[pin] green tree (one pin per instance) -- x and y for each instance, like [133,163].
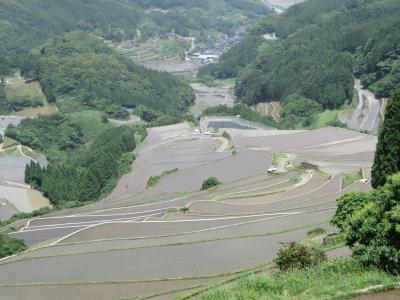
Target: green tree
[370,222]
[2,90]
[34,175]
[210,182]
[347,205]
[299,110]
[9,245]
[387,157]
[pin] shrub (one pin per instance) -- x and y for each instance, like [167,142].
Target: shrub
[20,216]
[10,246]
[209,183]
[296,256]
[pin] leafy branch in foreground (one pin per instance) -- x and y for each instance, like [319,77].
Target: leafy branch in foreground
[370,223]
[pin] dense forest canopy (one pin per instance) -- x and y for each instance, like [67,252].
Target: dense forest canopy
[85,177]
[25,24]
[79,67]
[320,44]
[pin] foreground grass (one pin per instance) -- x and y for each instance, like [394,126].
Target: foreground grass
[334,279]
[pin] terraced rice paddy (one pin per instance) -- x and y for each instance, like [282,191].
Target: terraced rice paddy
[211,96]
[15,196]
[156,243]
[163,55]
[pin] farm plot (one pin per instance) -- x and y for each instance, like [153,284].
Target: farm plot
[335,150]
[108,290]
[212,258]
[138,235]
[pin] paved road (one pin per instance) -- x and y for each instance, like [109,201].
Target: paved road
[367,115]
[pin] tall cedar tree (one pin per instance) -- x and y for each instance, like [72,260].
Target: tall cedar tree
[2,90]
[387,157]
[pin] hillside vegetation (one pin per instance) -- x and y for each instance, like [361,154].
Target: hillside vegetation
[320,44]
[86,154]
[78,67]
[90,173]
[331,280]
[27,24]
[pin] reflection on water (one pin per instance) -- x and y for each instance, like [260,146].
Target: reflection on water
[12,165]
[15,196]
[6,210]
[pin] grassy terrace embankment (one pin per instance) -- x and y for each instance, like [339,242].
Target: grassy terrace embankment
[337,279]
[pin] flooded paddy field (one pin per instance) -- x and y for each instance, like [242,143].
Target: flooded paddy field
[140,233]
[101,291]
[15,195]
[211,96]
[185,68]
[7,120]
[212,258]
[222,123]
[334,149]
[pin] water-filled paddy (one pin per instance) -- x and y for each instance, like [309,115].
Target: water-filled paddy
[227,124]
[15,196]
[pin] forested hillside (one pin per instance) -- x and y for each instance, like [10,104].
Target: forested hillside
[320,44]
[25,24]
[78,68]
[85,177]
